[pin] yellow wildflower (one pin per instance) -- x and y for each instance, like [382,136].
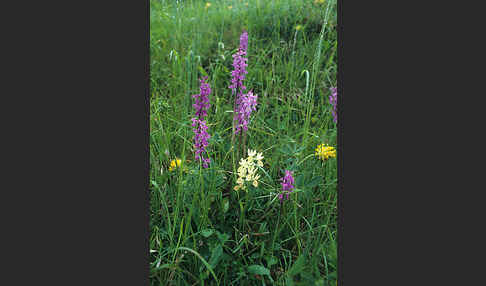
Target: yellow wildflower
[174,164]
[208,5]
[325,152]
[230,7]
[298,27]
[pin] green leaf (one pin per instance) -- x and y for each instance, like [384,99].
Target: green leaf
[207,232]
[314,182]
[222,237]
[299,180]
[271,261]
[216,255]
[202,260]
[297,190]
[154,183]
[154,270]
[258,269]
[297,267]
[332,275]
[202,71]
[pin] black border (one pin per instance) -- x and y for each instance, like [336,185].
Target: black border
[147,142]
[82,133]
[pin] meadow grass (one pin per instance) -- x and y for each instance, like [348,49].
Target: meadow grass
[202,232]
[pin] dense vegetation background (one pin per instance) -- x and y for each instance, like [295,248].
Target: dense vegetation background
[202,231]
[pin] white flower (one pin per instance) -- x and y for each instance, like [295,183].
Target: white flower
[244,163]
[241,171]
[251,173]
[259,156]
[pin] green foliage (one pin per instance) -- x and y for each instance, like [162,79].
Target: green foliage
[202,231]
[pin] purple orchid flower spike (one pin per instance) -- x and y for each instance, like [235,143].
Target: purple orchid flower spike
[244,109]
[201,135]
[287,185]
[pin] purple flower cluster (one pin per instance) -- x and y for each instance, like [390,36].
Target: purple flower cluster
[201,138]
[333,101]
[201,135]
[240,64]
[246,105]
[202,99]
[287,185]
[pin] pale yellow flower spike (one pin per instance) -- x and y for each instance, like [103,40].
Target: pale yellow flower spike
[247,171]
